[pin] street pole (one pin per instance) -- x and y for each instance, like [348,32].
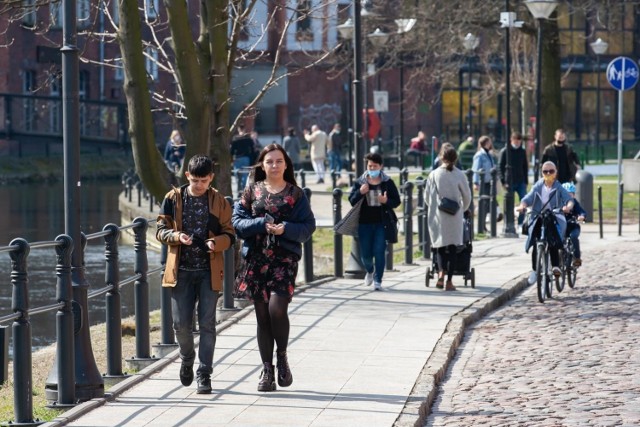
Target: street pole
[89,382]
[597,106]
[509,229]
[470,115]
[536,149]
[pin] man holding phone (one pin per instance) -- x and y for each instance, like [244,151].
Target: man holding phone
[195,224]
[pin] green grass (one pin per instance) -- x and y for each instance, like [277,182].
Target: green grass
[610,203]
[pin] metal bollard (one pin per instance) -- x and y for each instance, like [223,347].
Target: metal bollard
[302,178]
[113,302]
[338,267]
[334,178]
[130,189]
[469,174]
[21,331]
[166,317]
[481,204]
[308,249]
[139,191]
[420,184]
[600,210]
[141,289]
[493,202]
[404,177]
[620,205]
[408,223]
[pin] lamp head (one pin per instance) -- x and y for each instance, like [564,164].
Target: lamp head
[541,9]
[470,42]
[599,46]
[346,29]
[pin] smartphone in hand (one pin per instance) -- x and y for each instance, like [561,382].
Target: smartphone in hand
[269,219]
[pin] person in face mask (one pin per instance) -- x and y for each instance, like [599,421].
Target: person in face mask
[562,155]
[484,161]
[519,168]
[547,193]
[380,196]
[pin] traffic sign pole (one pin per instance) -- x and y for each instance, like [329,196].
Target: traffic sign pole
[622,74]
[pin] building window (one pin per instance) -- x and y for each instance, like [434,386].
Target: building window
[152,7]
[29,10]
[83,10]
[55,14]
[151,63]
[28,104]
[303,21]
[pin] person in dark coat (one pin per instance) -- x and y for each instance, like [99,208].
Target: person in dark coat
[519,168]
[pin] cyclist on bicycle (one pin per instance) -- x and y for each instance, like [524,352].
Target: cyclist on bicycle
[547,193]
[574,217]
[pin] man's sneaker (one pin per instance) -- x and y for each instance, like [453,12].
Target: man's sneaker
[204,384]
[186,374]
[368,279]
[532,278]
[556,271]
[577,262]
[377,286]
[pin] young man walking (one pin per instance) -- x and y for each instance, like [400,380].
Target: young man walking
[195,224]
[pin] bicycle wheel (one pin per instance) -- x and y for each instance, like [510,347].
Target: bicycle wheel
[549,277]
[572,271]
[541,272]
[560,280]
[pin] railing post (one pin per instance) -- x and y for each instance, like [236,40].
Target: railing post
[113,304]
[229,273]
[308,249]
[481,204]
[21,330]
[600,210]
[338,267]
[65,352]
[130,189]
[469,174]
[302,178]
[404,177]
[141,289]
[166,318]
[493,201]
[420,184]
[334,178]
[139,191]
[408,222]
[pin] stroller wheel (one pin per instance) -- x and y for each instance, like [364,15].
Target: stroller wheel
[427,277]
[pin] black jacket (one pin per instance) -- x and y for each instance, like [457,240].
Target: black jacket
[519,165]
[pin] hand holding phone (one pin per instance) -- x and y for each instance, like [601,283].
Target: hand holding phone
[269,219]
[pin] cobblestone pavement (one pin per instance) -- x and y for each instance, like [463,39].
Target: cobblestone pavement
[572,361]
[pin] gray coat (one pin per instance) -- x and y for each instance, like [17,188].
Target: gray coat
[446,229]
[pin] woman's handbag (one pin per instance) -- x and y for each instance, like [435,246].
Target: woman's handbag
[348,225]
[446,204]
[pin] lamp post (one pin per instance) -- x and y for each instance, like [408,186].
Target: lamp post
[470,42]
[599,47]
[404,26]
[541,10]
[508,20]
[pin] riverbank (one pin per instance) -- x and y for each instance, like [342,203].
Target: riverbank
[51,169]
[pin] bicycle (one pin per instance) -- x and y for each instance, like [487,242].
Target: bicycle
[569,270]
[544,245]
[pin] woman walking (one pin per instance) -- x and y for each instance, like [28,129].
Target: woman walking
[445,228]
[274,218]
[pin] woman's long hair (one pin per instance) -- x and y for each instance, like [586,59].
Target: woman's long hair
[258,174]
[448,155]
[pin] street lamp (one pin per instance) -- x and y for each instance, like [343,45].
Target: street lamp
[470,43]
[508,20]
[599,47]
[541,10]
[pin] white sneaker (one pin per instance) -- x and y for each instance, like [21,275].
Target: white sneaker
[377,286]
[368,279]
[532,278]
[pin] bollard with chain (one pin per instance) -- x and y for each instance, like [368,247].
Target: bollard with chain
[229,273]
[469,174]
[302,178]
[420,184]
[64,324]
[481,203]
[141,289]
[338,267]
[493,201]
[113,302]
[408,223]
[308,249]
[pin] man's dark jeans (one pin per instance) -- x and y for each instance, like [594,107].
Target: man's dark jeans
[192,287]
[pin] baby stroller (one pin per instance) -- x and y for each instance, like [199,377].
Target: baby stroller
[462,265]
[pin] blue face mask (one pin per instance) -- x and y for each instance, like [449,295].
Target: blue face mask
[374,173]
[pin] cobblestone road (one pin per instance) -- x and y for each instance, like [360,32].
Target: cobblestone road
[573,361]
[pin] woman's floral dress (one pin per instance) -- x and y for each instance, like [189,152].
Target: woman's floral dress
[267,267]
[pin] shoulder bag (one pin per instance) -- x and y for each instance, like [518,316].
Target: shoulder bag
[446,204]
[348,225]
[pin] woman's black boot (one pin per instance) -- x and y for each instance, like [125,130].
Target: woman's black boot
[285,377]
[267,378]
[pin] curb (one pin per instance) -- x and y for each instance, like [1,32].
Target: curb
[425,390]
[118,389]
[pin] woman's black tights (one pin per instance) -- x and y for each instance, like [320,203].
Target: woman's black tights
[273,325]
[446,260]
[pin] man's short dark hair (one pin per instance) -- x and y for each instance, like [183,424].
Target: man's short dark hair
[373,157]
[200,166]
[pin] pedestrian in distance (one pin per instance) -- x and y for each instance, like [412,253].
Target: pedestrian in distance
[317,140]
[195,223]
[562,155]
[519,168]
[242,151]
[547,193]
[291,145]
[380,196]
[174,151]
[274,218]
[466,150]
[446,230]
[484,161]
[334,148]
[574,217]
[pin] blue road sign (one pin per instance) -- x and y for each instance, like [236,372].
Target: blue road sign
[623,73]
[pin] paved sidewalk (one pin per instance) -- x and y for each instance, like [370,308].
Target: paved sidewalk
[359,357]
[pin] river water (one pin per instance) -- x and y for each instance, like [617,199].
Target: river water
[35,212]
